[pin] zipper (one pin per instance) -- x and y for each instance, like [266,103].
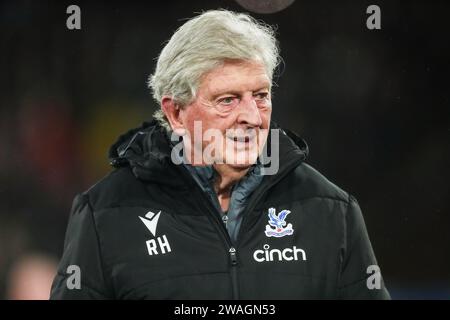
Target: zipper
[229,245]
[225,220]
[234,275]
[232,252]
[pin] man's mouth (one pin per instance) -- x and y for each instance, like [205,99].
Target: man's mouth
[242,139]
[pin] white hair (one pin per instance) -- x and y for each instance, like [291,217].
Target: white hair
[203,43]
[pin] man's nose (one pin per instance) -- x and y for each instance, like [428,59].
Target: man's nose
[249,112]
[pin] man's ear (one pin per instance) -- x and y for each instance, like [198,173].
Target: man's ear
[173,114]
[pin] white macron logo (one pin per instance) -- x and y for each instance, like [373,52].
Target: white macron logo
[150,221]
[160,244]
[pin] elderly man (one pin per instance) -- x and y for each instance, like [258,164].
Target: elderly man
[211,200]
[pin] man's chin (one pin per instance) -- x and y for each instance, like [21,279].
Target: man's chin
[239,166]
[244,163]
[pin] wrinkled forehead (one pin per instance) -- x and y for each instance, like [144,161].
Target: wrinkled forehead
[235,76]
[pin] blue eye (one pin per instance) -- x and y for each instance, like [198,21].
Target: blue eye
[226,100]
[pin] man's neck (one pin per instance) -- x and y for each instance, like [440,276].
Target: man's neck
[227,177]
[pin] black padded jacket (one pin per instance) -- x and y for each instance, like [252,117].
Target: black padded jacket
[147,231]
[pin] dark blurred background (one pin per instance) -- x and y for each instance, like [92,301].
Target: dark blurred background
[373,106]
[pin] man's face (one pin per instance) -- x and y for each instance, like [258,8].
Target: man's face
[233,100]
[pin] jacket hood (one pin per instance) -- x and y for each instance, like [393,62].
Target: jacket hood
[147,150]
